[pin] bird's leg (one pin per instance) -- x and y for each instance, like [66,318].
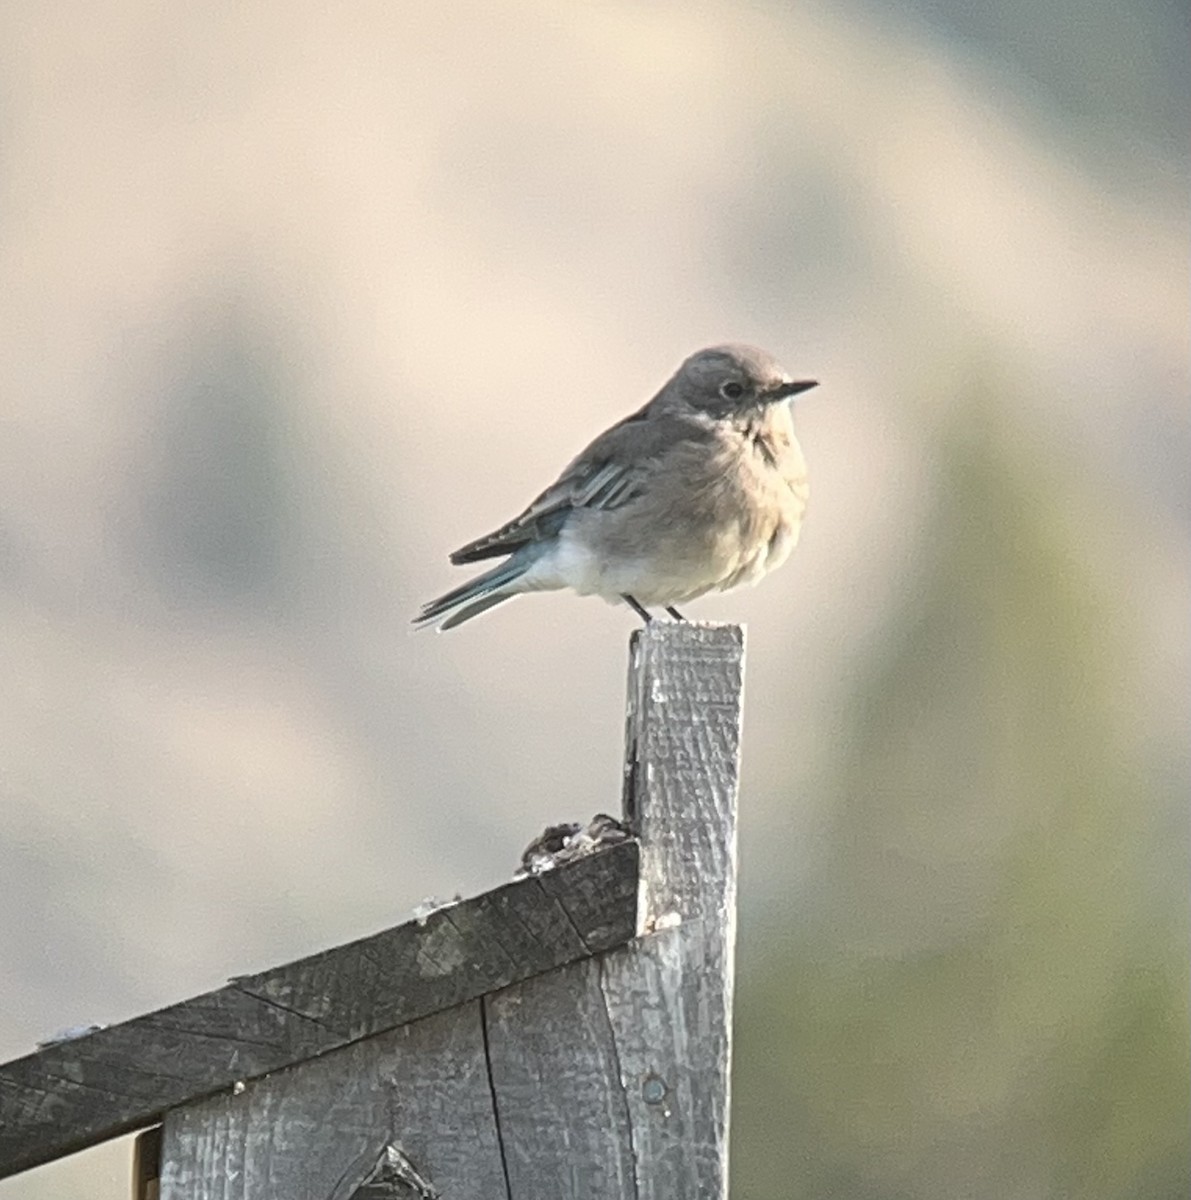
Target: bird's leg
[642,612]
[673,612]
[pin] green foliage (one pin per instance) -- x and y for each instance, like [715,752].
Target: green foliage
[989,996]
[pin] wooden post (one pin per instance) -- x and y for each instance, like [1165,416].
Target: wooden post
[563,1037]
[611,1077]
[603,1079]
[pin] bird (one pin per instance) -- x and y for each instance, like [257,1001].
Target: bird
[700,490]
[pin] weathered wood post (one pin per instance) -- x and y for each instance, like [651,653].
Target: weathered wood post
[564,1037]
[671,992]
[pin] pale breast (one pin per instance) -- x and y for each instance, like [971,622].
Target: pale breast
[712,515]
[774,487]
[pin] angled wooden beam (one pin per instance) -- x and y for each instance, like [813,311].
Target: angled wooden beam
[75,1093]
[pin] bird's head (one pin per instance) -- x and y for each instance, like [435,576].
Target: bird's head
[724,381]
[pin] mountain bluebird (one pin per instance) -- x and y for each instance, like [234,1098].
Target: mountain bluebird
[699,491]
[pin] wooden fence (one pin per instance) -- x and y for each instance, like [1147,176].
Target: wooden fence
[566,1035]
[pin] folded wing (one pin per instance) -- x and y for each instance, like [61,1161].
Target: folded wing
[606,475]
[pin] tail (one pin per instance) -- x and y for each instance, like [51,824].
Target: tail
[473,597]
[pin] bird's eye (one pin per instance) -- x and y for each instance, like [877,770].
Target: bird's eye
[732,390]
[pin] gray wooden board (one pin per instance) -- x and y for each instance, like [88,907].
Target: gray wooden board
[669,995]
[669,1004]
[73,1094]
[564,1120]
[418,1095]
[682,766]
[611,1076]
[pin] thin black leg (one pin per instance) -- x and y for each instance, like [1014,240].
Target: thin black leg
[643,613]
[674,613]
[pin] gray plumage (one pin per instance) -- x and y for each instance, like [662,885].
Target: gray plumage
[700,490]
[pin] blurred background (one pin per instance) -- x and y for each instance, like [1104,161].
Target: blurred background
[298,297]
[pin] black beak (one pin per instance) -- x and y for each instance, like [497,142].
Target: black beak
[792,387]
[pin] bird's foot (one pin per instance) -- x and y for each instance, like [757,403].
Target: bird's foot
[639,609]
[673,612]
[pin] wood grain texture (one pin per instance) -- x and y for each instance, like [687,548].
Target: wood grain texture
[611,1076]
[407,1114]
[682,766]
[73,1094]
[669,994]
[556,1082]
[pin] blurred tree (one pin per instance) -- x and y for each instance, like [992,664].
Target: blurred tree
[988,997]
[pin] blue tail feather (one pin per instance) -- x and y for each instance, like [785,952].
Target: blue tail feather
[473,597]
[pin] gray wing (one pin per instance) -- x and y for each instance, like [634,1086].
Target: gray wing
[606,475]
